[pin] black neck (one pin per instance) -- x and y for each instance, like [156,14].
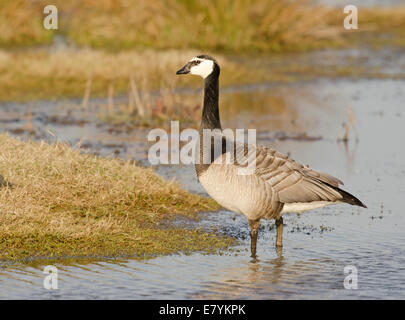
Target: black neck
[210,114]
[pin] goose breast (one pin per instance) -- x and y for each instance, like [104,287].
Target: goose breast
[246,194]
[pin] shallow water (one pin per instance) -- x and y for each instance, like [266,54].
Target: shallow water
[317,245]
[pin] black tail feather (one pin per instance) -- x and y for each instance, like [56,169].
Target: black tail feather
[350,199]
[347,197]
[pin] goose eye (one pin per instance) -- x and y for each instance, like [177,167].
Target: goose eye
[194,63]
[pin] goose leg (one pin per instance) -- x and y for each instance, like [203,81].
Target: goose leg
[279,237]
[254,230]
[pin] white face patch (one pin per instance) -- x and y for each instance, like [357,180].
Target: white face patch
[203,69]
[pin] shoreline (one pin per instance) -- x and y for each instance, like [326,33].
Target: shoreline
[60,202]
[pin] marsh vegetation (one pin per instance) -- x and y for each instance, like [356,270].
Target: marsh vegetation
[57,202]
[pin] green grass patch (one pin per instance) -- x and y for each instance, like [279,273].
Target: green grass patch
[56,202]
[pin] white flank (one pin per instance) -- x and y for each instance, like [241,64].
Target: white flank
[299,207]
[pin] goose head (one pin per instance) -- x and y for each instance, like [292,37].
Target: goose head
[201,65]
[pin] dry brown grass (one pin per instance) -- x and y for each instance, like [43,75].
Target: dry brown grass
[212,25]
[56,202]
[21,23]
[47,75]
[231,25]
[382,19]
[41,74]
[147,78]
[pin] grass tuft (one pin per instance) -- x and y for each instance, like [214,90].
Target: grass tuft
[55,201]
